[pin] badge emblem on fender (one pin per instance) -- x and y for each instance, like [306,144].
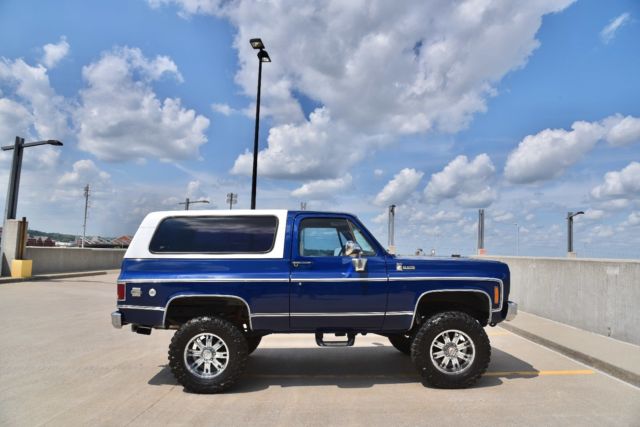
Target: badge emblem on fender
[400,267]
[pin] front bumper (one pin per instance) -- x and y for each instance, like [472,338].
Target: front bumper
[512,311]
[116,319]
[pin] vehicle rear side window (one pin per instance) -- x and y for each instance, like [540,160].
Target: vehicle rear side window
[215,235]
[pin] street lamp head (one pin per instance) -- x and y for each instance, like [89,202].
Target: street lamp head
[263,56]
[256,43]
[579,213]
[55,142]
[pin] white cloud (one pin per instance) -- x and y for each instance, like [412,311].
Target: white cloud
[547,154]
[378,172]
[84,172]
[622,130]
[594,214]
[609,31]
[623,184]
[468,183]
[399,188]
[15,120]
[502,216]
[633,219]
[54,52]
[323,188]
[121,118]
[49,111]
[309,150]
[378,68]
[601,231]
[223,109]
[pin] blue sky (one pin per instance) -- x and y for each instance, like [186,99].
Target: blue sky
[364,105]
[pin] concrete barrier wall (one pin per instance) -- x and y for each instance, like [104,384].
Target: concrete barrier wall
[601,296]
[64,260]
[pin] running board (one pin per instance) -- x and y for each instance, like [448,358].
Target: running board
[351,338]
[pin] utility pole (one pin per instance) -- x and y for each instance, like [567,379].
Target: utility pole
[481,250]
[391,228]
[303,206]
[188,203]
[232,199]
[86,207]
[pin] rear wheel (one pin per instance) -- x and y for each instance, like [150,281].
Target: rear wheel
[207,354]
[401,342]
[451,350]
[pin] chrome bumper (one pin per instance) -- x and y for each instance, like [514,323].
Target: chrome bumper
[512,311]
[116,319]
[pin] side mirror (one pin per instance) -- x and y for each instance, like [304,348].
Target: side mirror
[353,249]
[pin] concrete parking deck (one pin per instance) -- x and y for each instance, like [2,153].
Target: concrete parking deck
[62,363]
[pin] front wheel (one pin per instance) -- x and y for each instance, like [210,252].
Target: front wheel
[451,350]
[208,354]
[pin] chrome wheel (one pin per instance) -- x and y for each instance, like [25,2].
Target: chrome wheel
[206,355]
[452,351]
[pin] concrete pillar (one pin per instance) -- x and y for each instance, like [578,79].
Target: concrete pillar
[12,243]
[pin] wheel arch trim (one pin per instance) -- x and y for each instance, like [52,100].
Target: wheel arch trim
[415,310]
[212,296]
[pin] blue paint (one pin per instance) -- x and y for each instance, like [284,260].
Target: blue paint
[284,294]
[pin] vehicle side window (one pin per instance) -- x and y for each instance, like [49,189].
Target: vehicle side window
[215,235]
[323,236]
[367,247]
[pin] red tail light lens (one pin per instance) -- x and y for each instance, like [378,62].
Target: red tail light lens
[121,291]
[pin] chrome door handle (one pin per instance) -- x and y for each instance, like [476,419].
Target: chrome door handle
[299,263]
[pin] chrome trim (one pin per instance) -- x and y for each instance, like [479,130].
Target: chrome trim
[340,279]
[116,319]
[166,307]
[363,313]
[141,307]
[270,315]
[341,314]
[415,310]
[204,279]
[455,279]
[512,311]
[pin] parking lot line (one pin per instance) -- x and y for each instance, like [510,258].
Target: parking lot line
[487,374]
[540,373]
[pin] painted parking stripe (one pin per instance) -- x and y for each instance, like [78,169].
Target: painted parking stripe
[487,374]
[540,373]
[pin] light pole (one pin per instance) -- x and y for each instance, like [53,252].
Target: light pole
[11,207]
[188,203]
[263,56]
[570,216]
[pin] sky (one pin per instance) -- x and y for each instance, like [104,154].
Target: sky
[528,110]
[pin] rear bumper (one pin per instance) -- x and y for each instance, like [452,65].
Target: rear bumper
[512,311]
[116,319]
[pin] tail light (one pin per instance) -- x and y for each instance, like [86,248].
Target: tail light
[121,291]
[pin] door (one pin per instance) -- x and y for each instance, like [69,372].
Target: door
[326,291]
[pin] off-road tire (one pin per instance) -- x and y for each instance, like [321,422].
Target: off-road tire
[401,342]
[253,343]
[421,357]
[233,339]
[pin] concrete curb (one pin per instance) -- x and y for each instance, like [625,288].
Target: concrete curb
[613,370]
[46,277]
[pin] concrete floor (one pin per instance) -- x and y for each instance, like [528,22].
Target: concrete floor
[62,363]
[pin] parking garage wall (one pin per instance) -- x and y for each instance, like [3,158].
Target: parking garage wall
[65,260]
[601,296]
